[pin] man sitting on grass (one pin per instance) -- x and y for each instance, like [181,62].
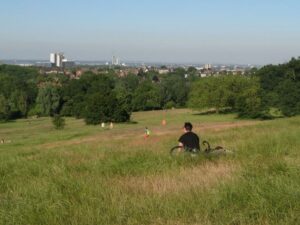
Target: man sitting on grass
[189,140]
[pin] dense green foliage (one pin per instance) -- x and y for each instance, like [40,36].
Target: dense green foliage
[259,94]
[48,100]
[239,93]
[18,91]
[281,86]
[103,96]
[175,89]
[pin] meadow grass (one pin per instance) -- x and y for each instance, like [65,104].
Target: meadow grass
[90,175]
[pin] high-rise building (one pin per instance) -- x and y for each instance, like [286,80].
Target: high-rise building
[52,59]
[208,66]
[58,60]
[115,61]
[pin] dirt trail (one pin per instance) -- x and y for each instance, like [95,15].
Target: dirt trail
[207,126]
[137,133]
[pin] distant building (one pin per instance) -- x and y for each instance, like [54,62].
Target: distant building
[53,59]
[163,71]
[68,64]
[25,64]
[43,64]
[58,60]
[207,66]
[115,61]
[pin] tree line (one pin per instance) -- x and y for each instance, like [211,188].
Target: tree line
[94,97]
[272,91]
[261,93]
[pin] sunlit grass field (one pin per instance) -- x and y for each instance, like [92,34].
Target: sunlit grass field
[93,175]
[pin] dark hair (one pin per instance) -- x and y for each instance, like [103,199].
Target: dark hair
[188,126]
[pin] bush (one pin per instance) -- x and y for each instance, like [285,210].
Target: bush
[35,111]
[58,122]
[170,105]
[248,103]
[104,108]
[98,109]
[121,115]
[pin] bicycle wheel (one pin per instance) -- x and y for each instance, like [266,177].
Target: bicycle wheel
[217,152]
[177,150]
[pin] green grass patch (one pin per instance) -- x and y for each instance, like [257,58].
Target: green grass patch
[89,175]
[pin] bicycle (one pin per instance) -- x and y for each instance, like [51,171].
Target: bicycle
[218,150]
[180,150]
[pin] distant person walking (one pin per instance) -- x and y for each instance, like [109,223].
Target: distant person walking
[111,125]
[147,132]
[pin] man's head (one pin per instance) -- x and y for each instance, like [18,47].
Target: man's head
[188,127]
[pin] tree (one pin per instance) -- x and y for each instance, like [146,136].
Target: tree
[98,109]
[48,100]
[19,86]
[120,114]
[289,97]
[192,70]
[146,97]
[4,109]
[209,92]
[281,87]
[240,94]
[104,108]
[248,103]
[18,104]
[124,89]
[174,91]
[179,71]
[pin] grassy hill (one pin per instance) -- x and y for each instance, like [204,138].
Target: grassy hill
[93,175]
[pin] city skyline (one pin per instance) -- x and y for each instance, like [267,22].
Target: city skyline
[248,32]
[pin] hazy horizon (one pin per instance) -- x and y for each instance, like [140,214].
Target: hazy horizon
[167,63]
[248,32]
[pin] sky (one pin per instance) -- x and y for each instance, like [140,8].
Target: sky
[175,31]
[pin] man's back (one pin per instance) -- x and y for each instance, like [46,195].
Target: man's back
[190,140]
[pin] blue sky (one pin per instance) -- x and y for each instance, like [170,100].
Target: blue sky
[196,31]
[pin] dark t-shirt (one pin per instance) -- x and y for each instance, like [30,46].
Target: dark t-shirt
[190,140]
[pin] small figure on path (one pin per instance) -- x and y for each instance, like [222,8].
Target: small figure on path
[147,132]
